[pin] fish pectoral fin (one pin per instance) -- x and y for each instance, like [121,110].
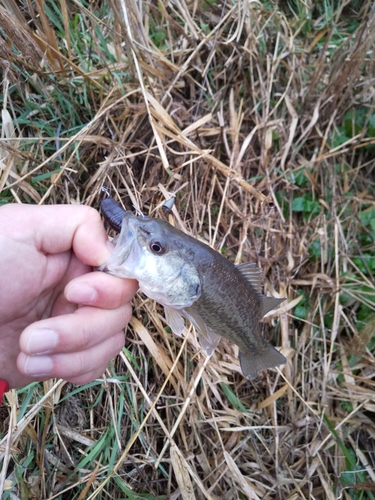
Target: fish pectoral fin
[196,320]
[269,303]
[251,366]
[175,320]
[208,339]
[209,344]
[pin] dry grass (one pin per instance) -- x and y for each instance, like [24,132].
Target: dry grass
[262,124]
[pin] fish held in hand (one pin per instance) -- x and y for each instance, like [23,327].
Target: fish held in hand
[193,281]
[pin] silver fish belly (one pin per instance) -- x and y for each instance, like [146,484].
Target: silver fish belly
[193,281]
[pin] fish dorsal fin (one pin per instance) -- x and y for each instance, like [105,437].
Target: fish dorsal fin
[175,320]
[269,303]
[252,273]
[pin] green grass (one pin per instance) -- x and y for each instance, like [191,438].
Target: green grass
[315,241]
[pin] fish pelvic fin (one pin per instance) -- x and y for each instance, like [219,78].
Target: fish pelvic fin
[251,366]
[269,303]
[174,319]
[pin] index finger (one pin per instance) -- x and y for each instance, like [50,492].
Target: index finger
[58,228]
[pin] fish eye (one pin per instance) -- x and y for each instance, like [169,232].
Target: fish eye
[157,247]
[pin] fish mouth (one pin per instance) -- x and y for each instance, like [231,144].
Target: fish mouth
[125,247]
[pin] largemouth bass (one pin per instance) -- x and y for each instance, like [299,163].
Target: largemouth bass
[193,281]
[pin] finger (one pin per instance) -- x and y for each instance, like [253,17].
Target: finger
[58,228]
[59,303]
[88,377]
[100,290]
[86,327]
[77,365]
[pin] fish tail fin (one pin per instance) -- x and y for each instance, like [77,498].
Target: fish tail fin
[251,366]
[269,303]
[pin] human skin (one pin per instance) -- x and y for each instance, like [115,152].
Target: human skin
[58,317]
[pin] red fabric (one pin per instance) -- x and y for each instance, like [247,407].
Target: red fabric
[4,387]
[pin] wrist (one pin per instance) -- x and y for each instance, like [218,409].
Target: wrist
[4,387]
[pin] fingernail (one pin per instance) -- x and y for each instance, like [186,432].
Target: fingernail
[81,293]
[38,365]
[42,341]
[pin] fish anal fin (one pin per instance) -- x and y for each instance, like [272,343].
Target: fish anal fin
[253,274]
[175,320]
[251,366]
[269,303]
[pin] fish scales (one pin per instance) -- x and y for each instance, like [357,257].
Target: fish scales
[230,306]
[228,303]
[193,281]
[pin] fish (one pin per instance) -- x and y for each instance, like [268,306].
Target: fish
[194,282]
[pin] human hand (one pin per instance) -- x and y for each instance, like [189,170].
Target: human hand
[57,317]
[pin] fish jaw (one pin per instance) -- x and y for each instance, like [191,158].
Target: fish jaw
[192,280]
[167,278]
[127,254]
